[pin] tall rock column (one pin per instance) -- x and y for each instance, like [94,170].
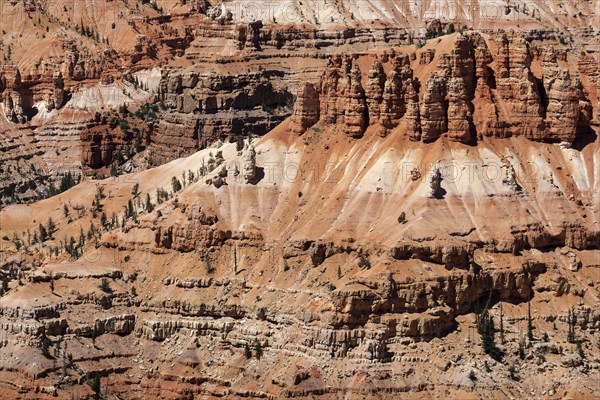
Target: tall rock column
[330,90]
[374,92]
[306,109]
[356,117]
[434,112]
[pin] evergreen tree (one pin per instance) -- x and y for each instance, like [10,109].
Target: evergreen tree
[149,205]
[247,351]
[529,323]
[522,348]
[175,184]
[4,288]
[43,233]
[113,170]
[258,349]
[95,385]
[502,340]
[46,347]
[105,286]
[571,321]
[485,327]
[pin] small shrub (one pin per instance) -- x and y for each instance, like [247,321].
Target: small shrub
[247,351]
[512,372]
[105,286]
[258,349]
[364,262]
[472,376]
[402,218]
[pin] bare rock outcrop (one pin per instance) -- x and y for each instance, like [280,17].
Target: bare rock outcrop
[306,109]
[249,165]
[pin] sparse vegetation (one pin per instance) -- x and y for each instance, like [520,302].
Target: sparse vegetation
[487,331]
[175,184]
[364,262]
[95,385]
[258,349]
[105,286]
[472,376]
[512,372]
[571,321]
[529,323]
[402,218]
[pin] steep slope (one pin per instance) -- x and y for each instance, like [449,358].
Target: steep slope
[361,264]
[347,243]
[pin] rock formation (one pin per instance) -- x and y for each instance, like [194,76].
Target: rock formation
[306,109]
[249,165]
[463,98]
[176,267]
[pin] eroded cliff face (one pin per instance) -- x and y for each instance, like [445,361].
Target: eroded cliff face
[202,109]
[370,261]
[475,86]
[399,178]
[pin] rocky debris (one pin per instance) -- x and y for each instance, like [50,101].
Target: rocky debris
[509,179]
[435,184]
[306,109]
[571,361]
[197,214]
[118,324]
[249,165]
[218,177]
[161,330]
[426,56]
[573,262]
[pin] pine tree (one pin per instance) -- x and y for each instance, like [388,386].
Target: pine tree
[529,323]
[522,348]
[113,170]
[502,340]
[51,227]
[175,184]
[571,321]
[105,286]
[485,327]
[43,233]
[247,351]
[4,288]
[129,210]
[258,349]
[149,205]
[46,347]
[95,385]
